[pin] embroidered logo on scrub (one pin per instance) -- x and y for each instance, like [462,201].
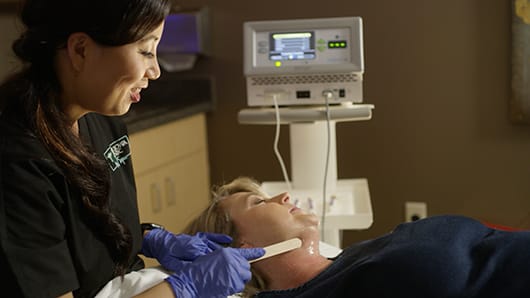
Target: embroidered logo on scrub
[118,152]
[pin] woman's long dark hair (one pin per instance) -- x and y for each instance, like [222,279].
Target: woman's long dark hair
[34,90]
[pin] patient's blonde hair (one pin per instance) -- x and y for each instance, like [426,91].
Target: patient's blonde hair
[214,219]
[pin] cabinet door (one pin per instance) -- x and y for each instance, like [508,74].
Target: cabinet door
[172,173]
[175,193]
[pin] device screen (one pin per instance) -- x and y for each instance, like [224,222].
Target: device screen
[292,46]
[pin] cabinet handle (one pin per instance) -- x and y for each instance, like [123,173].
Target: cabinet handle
[171,194]
[156,198]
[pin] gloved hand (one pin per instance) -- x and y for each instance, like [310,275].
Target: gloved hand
[221,273]
[170,249]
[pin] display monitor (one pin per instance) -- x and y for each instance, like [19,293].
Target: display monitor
[293,60]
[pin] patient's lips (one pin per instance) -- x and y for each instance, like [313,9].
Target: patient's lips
[295,209]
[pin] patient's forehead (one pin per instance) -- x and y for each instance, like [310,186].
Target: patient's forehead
[234,199]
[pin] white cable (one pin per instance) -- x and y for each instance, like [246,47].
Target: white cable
[276,140]
[327,95]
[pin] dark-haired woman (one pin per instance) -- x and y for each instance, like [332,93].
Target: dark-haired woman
[68,213]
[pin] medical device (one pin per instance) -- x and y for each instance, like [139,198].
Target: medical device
[307,73]
[295,61]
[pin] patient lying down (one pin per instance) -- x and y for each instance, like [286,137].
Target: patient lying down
[441,256]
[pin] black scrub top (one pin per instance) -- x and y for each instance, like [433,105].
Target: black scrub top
[46,246]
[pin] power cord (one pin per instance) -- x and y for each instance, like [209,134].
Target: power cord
[276,140]
[328,94]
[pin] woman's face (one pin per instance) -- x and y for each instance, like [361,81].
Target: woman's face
[111,78]
[264,221]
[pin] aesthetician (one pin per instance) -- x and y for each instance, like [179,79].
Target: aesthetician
[68,212]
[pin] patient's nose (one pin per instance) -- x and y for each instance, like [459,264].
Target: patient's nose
[282,198]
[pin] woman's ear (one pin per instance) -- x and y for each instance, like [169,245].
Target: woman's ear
[77,46]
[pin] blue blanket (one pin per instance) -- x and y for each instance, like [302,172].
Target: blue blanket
[440,256]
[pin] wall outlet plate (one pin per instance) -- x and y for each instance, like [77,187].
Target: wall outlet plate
[415,211]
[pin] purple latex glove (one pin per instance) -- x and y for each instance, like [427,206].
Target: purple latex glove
[221,273]
[171,249]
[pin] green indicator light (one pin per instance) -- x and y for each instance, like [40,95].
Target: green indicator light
[278,63]
[337,44]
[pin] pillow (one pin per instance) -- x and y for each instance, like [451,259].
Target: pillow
[136,282]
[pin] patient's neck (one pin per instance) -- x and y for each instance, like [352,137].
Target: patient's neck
[294,268]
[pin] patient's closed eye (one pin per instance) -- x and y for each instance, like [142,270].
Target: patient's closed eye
[256,200]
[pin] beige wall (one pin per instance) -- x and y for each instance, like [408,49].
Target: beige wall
[438,73]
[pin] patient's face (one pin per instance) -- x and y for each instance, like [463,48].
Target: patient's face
[264,221]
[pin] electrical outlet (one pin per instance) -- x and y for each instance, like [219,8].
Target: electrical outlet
[415,211]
